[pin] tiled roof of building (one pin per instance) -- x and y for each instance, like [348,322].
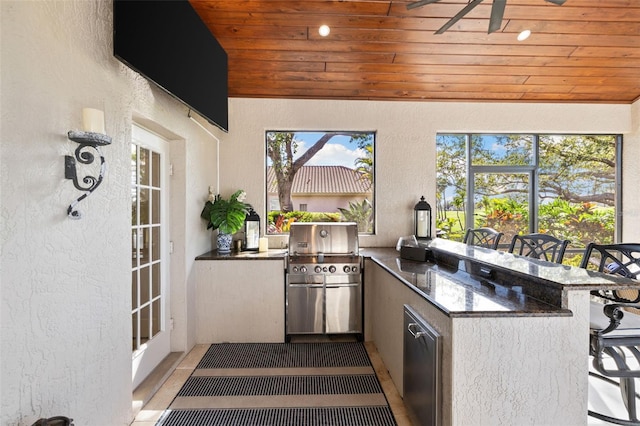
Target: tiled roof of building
[324,180]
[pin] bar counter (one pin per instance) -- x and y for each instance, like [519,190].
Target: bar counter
[472,281]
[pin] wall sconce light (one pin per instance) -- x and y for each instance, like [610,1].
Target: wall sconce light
[422,220]
[93,136]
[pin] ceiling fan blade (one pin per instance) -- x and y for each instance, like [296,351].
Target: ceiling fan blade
[497,12]
[558,2]
[420,3]
[468,8]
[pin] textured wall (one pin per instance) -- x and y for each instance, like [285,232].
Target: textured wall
[65,284]
[65,312]
[630,177]
[405,142]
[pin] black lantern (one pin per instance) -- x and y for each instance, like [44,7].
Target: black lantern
[422,220]
[251,230]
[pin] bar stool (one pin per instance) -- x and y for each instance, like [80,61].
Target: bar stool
[539,246]
[615,328]
[482,237]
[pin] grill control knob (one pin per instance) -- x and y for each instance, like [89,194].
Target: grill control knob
[346,268]
[332,269]
[303,269]
[318,269]
[354,269]
[295,269]
[324,269]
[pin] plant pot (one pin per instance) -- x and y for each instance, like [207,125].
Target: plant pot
[223,243]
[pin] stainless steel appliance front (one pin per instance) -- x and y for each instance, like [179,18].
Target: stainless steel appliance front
[421,370]
[324,279]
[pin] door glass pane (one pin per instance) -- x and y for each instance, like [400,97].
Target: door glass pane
[143,166]
[144,206]
[155,167]
[503,150]
[155,243]
[136,333]
[145,324]
[134,290]
[156,281]
[155,206]
[145,277]
[143,245]
[156,320]
[134,248]
[501,202]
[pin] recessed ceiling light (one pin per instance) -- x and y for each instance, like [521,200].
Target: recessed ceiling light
[524,35]
[324,30]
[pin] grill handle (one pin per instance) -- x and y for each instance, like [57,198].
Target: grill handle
[415,334]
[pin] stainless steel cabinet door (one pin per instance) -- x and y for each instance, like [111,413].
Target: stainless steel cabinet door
[304,308]
[344,308]
[421,374]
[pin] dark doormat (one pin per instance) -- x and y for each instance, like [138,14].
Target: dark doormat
[333,416]
[285,355]
[281,384]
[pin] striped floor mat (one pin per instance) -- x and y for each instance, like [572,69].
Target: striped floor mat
[301,384]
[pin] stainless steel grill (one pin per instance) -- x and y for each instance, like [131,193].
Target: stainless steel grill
[324,279]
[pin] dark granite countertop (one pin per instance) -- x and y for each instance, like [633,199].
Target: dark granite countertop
[471,281]
[278,254]
[467,281]
[459,294]
[550,274]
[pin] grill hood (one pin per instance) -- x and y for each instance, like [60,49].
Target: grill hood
[329,238]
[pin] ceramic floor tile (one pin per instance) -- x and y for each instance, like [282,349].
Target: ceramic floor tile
[166,396]
[194,356]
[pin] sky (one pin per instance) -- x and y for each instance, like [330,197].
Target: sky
[337,152]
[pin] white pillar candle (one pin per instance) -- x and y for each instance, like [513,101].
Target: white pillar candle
[93,120]
[263,244]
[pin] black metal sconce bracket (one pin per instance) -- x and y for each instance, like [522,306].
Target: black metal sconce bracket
[89,183]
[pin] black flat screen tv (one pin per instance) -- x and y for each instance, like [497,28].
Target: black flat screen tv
[167,42]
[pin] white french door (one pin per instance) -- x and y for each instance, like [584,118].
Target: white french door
[149,252]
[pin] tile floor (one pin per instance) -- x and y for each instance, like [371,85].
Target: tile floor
[151,412]
[602,397]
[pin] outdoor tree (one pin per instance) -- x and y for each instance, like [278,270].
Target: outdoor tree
[282,148]
[576,182]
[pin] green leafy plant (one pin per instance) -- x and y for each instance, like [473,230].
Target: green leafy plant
[361,213]
[226,215]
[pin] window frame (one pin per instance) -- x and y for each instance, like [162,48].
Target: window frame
[372,194]
[534,173]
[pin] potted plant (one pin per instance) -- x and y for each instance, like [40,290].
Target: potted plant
[227,216]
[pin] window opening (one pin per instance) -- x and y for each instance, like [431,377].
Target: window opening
[563,185]
[328,175]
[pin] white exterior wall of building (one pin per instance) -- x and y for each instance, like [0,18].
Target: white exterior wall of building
[405,143]
[66,284]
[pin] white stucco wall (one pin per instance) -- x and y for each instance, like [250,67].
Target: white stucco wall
[405,143]
[630,179]
[65,284]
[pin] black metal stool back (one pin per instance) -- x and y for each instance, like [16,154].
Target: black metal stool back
[615,325]
[482,237]
[539,246]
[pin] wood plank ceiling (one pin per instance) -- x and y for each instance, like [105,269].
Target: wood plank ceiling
[583,51]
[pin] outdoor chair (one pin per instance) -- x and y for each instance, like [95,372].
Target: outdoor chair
[615,325]
[482,237]
[539,246]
